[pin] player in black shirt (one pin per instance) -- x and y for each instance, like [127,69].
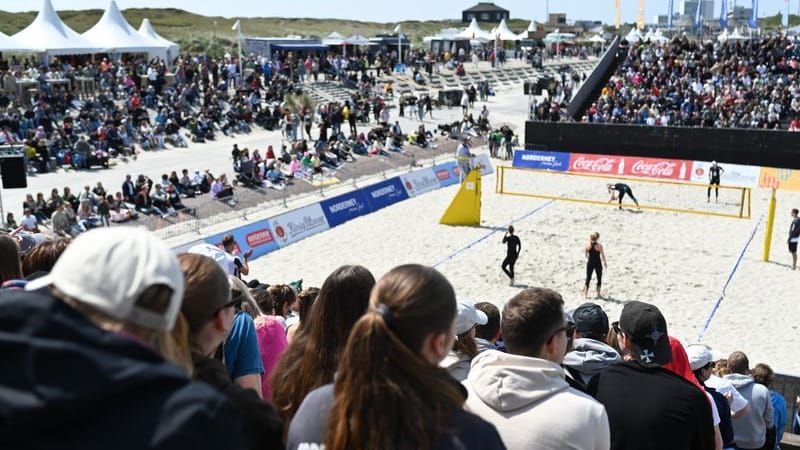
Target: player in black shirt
[794,237]
[622,189]
[714,174]
[514,247]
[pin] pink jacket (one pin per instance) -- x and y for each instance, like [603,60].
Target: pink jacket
[272,342]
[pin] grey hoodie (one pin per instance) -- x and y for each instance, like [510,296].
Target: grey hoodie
[750,430]
[531,405]
[590,357]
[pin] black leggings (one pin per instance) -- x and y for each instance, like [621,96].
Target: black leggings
[715,182]
[509,261]
[596,268]
[630,194]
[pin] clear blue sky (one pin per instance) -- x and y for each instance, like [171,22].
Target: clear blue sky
[390,11]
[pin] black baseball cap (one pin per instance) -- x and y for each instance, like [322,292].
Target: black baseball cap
[646,327]
[590,318]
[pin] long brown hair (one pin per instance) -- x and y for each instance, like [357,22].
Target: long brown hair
[10,268]
[386,394]
[313,356]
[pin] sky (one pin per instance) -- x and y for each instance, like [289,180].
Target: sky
[391,11]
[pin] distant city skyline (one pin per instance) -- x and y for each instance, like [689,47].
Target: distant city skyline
[389,12]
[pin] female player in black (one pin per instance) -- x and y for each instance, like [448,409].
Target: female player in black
[594,255]
[514,247]
[714,175]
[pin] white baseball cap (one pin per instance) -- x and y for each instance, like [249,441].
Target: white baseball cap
[467,316]
[699,356]
[110,268]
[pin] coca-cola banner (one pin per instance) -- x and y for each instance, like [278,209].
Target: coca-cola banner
[631,166]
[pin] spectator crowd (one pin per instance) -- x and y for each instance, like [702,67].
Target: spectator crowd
[143,349]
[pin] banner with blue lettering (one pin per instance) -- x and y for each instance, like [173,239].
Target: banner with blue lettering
[542,160]
[256,236]
[385,193]
[342,208]
[446,173]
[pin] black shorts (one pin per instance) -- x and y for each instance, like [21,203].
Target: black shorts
[792,247]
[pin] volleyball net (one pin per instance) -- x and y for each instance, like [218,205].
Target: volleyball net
[658,195]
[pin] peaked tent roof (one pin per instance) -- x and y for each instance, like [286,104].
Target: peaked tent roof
[532,26]
[504,33]
[146,29]
[116,34]
[333,39]
[48,34]
[8,44]
[357,39]
[473,31]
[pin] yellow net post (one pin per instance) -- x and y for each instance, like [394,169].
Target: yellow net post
[770,224]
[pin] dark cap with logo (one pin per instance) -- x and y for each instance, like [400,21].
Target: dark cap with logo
[645,326]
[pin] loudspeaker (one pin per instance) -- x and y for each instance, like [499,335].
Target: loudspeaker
[13,173]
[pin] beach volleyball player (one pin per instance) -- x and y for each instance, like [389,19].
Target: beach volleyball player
[618,192]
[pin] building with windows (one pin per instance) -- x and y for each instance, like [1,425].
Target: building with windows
[485,12]
[688,8]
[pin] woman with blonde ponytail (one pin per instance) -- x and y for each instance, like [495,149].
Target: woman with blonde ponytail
[389,391]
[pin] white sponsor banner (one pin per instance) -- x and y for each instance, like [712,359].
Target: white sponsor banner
[485,162]
[733,175]
[299,224]
[420,182]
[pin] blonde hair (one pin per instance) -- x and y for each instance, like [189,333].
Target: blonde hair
[241,294]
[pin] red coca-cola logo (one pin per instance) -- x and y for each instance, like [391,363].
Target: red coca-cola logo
[661,169]
[594,165]
[259,237]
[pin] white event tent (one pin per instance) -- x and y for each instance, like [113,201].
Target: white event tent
[167,54]
[114,33]
[504,33]
[8,44]
[473,31]
[333,39]
[49,35]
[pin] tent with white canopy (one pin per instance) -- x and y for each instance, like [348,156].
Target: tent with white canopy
[48,34]
[333,39]
[473,31]
[504,33]
[356,39]
[117,36]
[634,36]
[169,53]
[9,44]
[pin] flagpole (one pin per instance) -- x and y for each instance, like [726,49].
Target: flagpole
[399,44]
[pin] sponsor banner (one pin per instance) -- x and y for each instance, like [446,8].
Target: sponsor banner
[733,175]
[446,173]
[786,179]
[542,160]
[385,193]
[299,224]
[631,166]
[420,182]
[485,162]
[256,236]
[342,208]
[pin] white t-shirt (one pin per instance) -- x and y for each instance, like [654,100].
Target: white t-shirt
[724,387]
[28,222]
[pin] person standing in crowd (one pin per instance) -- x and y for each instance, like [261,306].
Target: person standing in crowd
[241,351]
[714,175]
[757,428]
[764,375]
[677,414]
[595,261]
[209,311]
[237,265]
[464,158]
[459,358]
[314,355]
[389,390]
[618,191]
[89,360]
[590,355]
[487,335]
[702,364]
[794,236]
[513,248]
[523,392]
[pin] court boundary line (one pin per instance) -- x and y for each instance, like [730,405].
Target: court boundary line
[491,233]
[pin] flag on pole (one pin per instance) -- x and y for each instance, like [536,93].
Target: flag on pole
[640,18]
[697,18]
[618,17]
[669,14]
[237,27]
[753,22]
[397,28]
[723,15]
[785,20]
